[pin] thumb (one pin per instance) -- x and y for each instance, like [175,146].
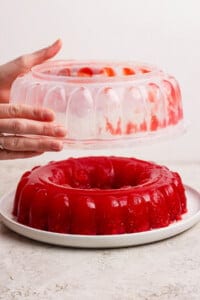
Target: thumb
[22,64]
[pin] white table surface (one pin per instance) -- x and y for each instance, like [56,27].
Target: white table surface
[31,270]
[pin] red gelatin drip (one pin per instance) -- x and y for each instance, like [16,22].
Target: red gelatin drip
[85,72]
[99,195]
[64,72]
[128,71]
[108,72]
[144,70]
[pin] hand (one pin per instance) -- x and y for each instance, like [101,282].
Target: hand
[21,65]
[17,120]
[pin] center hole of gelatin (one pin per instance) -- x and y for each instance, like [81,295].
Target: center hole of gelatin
[100,179]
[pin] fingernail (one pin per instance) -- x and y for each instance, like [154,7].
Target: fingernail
[54,43]
[54,48]
[56,146]
[60,131]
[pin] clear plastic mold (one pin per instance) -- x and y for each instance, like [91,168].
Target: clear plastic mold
[104,104]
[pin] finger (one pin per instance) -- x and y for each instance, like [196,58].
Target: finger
[18,143]
[10,70]
[26,112]
[22,126]
[42,55]
[6,154]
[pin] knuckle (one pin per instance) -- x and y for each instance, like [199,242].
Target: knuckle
[23,62]
[46,130]
[36,112]
[12,143]
[42,145]
[14,110]
[17,126]
[16,142]
[6,143]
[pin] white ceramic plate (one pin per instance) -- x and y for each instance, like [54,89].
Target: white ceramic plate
[104,241]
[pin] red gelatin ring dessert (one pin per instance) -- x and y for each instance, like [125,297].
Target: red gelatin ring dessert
[99,195]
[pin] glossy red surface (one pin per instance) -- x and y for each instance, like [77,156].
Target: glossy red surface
[99,195]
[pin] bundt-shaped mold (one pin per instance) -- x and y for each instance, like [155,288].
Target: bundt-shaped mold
[104,104]
[99,195]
